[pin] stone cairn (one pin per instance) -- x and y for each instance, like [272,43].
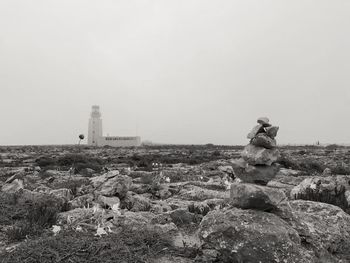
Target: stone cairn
[257,164]
[255,169]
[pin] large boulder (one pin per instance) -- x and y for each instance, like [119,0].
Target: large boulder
[332,190]
[251,236]
[115,186]
[260,174]
[323,228]
[255,155]
[250,196]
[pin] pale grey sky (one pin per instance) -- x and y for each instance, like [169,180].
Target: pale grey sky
[182,71]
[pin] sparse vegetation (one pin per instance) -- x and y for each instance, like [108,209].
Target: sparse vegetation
[127,245]
[30,218]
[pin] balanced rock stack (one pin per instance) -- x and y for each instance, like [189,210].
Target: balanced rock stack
[255,169]
[257,164]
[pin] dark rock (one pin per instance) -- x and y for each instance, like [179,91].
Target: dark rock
[272,131]
[183,217]
[260,174]
[250,196]
[136,203]
[262,140]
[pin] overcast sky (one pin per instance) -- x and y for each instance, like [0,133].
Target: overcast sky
[175,71]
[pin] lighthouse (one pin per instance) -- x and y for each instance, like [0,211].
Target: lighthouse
[95,126]
[95,137]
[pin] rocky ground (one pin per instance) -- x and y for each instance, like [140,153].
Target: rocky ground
[173,204]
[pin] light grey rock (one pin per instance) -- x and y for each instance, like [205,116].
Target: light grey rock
[264,121]
[324,228]
[251,236]
[18,175]
[14,186]
[115,186]
[255,155]
[99,180]
[109,202]
[331,190]
[256,130]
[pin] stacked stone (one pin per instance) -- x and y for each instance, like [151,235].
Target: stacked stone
[257,164]
[255,169]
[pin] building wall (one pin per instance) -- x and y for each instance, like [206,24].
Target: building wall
[119,141]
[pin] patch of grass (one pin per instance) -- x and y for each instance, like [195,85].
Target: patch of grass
[42,213]
[10,209]
[29,218]
[126,246]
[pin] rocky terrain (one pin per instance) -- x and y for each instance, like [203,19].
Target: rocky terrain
[261,203]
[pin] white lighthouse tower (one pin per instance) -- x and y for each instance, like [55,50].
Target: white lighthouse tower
[95,126]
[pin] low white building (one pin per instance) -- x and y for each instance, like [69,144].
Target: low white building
[95,137]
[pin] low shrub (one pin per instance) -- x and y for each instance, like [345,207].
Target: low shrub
[42,213]
[28,219]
